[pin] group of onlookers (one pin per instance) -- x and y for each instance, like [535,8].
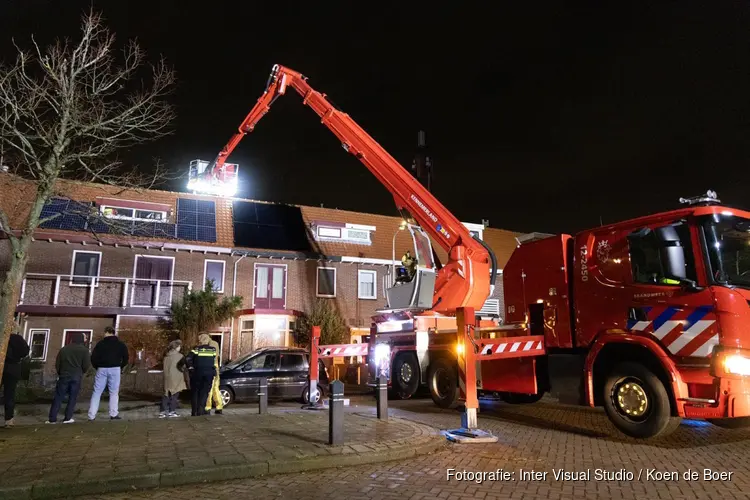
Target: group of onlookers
[199,371]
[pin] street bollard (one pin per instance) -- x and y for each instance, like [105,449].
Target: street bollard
[382,395]
[262,396]
[336,414]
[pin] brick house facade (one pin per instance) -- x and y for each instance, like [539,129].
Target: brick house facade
[84,275]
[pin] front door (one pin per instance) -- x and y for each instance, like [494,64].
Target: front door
[270,286]
[148,272]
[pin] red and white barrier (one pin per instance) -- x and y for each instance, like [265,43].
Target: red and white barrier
[318,352]
[511,347]
[339,350]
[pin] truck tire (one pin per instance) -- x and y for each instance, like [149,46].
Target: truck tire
[405,375]
[515,398]
[442,379]
[637,402]
[731,423]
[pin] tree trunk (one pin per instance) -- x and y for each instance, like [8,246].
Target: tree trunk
[9,293]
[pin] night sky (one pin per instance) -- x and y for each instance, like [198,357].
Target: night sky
[541,116]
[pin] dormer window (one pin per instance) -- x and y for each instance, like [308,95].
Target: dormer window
[476,230]
[133,214]
[347,233]
[142,211]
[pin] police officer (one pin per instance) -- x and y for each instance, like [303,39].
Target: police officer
[201,363]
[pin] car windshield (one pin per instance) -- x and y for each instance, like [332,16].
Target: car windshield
[728,249]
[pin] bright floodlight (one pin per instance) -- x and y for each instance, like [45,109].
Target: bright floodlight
[220,183]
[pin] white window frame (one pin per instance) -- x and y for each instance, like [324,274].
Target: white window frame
[317,283]
[73,267]
[171,278]
[122,217]
[89,335]
[223,273]
[479,228]
[270,265]
[340,231]
[32,331]
[343,233]
[374,274]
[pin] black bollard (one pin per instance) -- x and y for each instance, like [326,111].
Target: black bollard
[336,413]
[382,395]
[262,396]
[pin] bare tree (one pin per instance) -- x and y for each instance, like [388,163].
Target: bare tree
[65,112]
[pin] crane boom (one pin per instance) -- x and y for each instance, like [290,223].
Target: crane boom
[465,280]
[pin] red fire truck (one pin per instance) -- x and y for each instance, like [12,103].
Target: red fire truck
[648,318]
[644,317]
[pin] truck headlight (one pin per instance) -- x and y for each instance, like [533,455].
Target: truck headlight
[382,354]
[737,364]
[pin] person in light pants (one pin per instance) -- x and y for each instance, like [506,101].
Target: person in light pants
[110,356]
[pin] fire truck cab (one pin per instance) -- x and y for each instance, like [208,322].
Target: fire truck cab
[649,318]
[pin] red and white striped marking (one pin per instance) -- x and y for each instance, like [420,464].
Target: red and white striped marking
[339,350]
[512,347]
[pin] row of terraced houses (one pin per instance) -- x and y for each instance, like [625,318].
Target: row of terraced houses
[151,246]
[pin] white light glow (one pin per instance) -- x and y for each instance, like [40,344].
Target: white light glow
[382,353]
[227,189]
[737,365]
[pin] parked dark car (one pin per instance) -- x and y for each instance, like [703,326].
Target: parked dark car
[285,368]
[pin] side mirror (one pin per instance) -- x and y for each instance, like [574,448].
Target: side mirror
[689,285]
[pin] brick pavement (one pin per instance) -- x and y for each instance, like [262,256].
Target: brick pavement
[539,437]
[45,461]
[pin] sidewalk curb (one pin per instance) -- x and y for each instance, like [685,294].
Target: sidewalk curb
[132,482]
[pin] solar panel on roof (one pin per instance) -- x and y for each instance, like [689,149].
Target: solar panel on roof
[60,213]
[196,220]
[267,226]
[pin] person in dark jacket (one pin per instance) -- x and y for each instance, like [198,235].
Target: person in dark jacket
[17,350]
[72,362]
[201,364]
[110,356]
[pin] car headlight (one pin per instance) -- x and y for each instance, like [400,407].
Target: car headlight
[737,364]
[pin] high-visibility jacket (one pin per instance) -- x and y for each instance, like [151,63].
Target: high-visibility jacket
[202,360]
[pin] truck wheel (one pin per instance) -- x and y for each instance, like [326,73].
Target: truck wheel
[514,398]
[731,423]
[442,379]
[637,402]
[405,376]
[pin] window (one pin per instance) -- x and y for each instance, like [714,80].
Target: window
[133,214]
[213,270]
[38,343]
[366,284]
[326,282]
[292,362]
[476,230]
[262,362]
[352,233]
[329,232]
[662,255]
[70,335]
[85,265]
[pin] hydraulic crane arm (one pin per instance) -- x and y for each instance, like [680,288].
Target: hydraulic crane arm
[466,278]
